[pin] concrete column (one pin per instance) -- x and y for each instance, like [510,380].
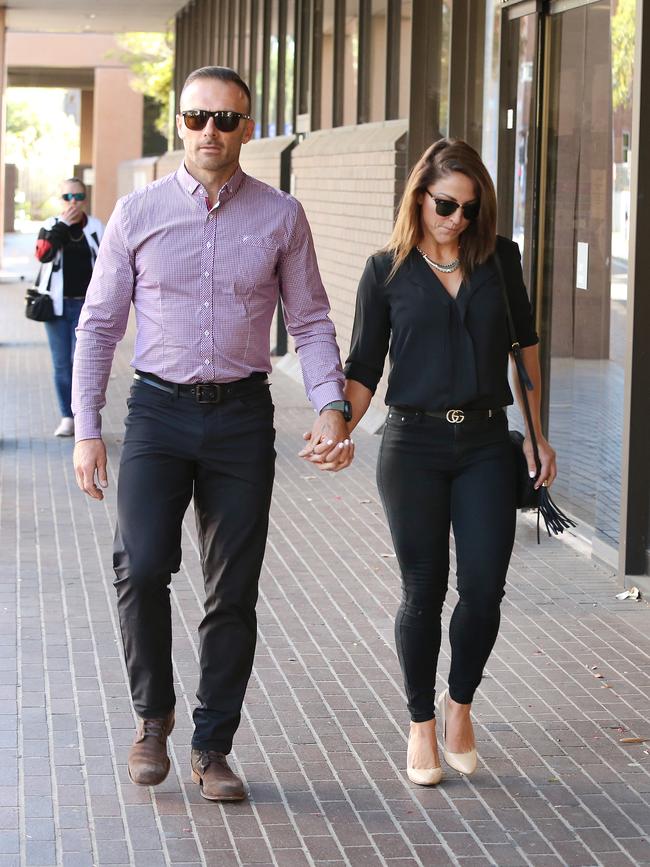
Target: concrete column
[634,547]
[117,133]
[86,127]
[3,113]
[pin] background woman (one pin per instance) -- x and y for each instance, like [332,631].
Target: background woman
[67,247]
[433,299]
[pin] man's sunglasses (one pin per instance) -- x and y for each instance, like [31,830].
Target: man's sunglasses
[225,121]
[73,197]
[445,207]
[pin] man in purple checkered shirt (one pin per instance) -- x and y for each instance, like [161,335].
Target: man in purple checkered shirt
[203,255]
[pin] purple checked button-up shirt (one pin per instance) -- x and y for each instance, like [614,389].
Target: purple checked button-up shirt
[204,285]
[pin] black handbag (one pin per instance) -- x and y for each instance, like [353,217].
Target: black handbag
[39,305]
[526,495]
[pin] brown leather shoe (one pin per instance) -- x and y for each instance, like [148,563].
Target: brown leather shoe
[148,759]
[218,782]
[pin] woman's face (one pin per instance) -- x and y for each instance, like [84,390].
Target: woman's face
[454,187]
[71,188]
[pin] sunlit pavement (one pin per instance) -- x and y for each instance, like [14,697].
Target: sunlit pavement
[322,742]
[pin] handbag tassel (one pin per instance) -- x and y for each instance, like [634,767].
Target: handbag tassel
[554,517]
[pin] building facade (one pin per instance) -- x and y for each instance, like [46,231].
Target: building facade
[89,64]
[348,93]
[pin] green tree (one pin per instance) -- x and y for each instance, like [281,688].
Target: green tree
[42,140]
[623,33]
[150,57]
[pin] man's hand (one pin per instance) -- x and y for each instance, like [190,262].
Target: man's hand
[329,445]
[89,458]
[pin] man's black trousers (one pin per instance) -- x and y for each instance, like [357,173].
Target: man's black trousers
[223,456]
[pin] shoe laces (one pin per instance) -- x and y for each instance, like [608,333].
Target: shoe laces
[154,728]
[209,757]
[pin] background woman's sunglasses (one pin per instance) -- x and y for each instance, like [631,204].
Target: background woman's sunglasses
[445,207]
[225,121]
[76,197]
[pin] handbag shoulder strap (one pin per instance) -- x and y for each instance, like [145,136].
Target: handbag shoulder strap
[525,384]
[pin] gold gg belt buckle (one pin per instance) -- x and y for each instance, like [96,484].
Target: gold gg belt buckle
[455,416]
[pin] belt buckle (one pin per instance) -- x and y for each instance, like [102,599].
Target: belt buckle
[208,393]
[455,416]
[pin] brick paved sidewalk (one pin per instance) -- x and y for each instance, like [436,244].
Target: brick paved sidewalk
[322,742]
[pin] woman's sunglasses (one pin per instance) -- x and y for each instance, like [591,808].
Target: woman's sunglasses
[73,197]
[225,121]
[445,207]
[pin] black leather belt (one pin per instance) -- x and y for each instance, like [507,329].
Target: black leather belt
[205,392]
[453,416]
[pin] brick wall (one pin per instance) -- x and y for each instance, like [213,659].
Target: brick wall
[168,163]
[134,174]
[262,158]
[349,181]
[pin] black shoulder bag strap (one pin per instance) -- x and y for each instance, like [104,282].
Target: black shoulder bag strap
[525,384]
[554,517]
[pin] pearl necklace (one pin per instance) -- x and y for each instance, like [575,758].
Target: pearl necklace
[445,268]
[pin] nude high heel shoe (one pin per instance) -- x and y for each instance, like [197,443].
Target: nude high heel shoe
[464,763]
[421,776]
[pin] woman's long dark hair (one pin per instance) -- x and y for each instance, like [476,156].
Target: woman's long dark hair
[438,161]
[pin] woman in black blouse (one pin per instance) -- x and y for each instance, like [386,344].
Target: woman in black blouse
[433,301]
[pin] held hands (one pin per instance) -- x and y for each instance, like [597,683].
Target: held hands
[328,443]
[548,471]
[89,460]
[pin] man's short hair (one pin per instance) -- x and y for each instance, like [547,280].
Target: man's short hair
[76,181]
[218,73]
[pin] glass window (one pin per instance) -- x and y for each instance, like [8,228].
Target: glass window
[378,60]
[289,70]
[490,146]
[405,60]
[327,66]
[273,72]
[586,254]
[445,52]
[351,63]
[257,14]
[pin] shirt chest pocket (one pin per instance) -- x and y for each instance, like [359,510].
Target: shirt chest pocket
[251,267]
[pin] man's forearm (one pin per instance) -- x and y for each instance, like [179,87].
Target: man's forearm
[90,374]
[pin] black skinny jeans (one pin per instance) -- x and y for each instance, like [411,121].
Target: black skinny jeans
[222,455]
[432,474]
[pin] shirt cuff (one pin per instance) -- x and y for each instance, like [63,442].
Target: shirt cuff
[324,394]
[87,426]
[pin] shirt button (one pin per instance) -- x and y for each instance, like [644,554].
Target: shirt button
[208,245]
[207,304]
[207,333]
[207,274]
[207,361]
[210,216]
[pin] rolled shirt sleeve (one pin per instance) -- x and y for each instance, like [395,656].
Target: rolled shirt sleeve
[522,314]
[370,332]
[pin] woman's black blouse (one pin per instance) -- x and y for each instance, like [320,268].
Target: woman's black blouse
[445,353]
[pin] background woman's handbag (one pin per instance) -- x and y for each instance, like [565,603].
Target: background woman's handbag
[39,305]
[527,497]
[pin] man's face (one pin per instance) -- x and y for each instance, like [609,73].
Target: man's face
[209,149]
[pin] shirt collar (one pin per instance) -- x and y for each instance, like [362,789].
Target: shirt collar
[193,186]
